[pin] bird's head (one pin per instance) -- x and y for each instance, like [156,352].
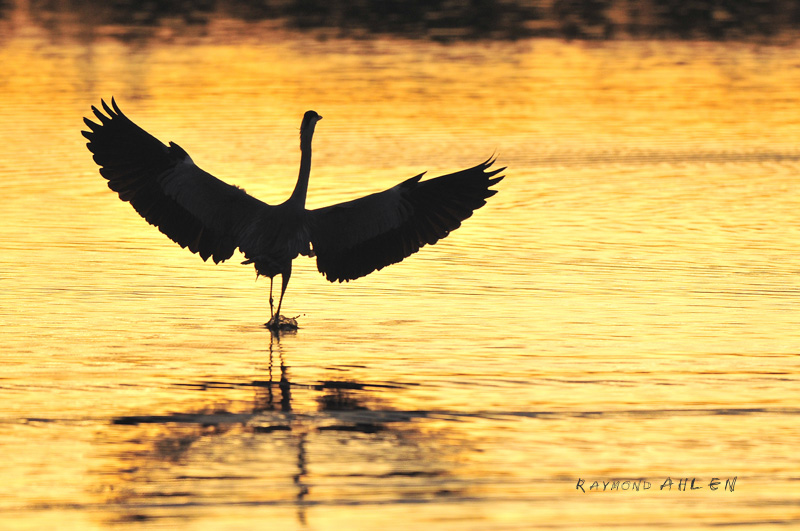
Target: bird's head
[310,119]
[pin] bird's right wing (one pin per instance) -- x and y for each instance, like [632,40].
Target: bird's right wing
[353,239]
[192,207]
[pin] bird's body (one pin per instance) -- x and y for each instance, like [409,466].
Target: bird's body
[275,238]
[213,218]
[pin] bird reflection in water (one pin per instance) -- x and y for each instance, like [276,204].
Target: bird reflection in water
[204,454]
[213,219]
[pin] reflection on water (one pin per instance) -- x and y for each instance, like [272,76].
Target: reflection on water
[625,307]
[269,448]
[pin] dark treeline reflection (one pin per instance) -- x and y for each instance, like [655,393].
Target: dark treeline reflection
[450,19]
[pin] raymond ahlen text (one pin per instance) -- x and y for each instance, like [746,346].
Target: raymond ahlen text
[668,484]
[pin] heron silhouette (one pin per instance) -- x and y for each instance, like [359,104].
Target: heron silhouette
[212,218]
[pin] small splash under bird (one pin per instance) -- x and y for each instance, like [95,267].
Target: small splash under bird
[212,218]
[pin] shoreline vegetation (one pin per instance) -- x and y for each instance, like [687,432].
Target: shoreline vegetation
[440,20]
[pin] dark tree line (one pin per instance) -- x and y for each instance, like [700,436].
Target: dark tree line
[459,19]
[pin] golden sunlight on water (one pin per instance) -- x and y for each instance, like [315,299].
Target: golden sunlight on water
[623,309]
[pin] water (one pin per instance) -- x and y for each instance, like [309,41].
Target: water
[624,307]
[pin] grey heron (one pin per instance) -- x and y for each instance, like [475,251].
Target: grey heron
[212,218]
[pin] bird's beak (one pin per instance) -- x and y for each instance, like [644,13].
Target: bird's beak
[319,118]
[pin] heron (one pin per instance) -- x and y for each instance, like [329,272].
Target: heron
[212,218]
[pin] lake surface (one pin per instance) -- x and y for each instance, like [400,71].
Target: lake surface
[624,309]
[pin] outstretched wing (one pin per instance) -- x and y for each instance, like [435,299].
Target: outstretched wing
[355,238]
[192,207]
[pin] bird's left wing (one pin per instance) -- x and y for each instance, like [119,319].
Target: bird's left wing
[353,239]
[192,207]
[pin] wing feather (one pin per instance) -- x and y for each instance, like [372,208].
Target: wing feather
[190,206]
[353,239]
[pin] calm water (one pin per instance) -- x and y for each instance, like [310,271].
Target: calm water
[625,307]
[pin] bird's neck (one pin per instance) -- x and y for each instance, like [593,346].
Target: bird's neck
[301,189]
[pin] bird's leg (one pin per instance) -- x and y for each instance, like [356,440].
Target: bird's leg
[284,282]
[271,300]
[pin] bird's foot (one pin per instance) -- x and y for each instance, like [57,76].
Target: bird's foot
[279,323]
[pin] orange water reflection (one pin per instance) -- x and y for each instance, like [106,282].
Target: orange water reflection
[624,307]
